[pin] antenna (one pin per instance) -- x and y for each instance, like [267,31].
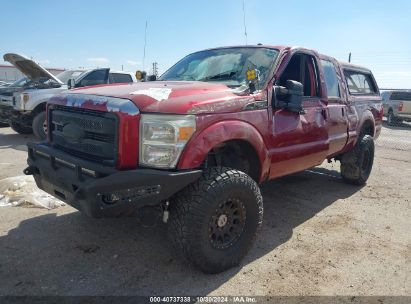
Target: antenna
[245,25]
[349,57]
[145,43]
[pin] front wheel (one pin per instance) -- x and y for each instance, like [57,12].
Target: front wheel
[356,165]
[18,128]
[40,126]
[214,221]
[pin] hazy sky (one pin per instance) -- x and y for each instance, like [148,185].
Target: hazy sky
[92,33]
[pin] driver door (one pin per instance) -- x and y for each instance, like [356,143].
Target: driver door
[299,140]
[94,77]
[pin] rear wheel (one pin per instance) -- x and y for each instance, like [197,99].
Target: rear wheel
[40,126]
[391,119]
[356,165]
[214,221]
[20,128]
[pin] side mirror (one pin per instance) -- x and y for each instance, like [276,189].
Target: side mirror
[71,83]
[152,78]
[290,97]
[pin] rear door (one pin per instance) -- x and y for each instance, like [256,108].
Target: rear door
[337,123]
[299,140]
[120,78]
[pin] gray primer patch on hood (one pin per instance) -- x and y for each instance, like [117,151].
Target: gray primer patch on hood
[112,104]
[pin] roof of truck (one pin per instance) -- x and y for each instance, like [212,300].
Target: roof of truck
[350,66]
[345,65]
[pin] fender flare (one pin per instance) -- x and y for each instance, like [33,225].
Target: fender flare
[201,144]
[40,105]
[365,117]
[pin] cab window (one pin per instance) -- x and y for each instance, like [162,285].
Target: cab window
[94,78]
[119,78]
[331,79]
[302,68]
[360,83]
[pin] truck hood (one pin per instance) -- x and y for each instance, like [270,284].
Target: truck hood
[178,97]
[29,68]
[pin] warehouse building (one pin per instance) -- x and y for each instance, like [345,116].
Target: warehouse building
[9,73]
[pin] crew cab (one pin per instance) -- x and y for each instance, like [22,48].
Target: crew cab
[192,147]
[23,104]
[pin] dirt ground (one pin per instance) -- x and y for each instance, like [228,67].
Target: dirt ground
[319,237]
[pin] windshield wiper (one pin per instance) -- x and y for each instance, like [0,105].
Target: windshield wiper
[219,76]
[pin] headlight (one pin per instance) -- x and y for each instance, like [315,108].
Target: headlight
[21,101]
[163,138]
[25,97]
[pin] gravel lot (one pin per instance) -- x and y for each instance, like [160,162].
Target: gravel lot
[320,237]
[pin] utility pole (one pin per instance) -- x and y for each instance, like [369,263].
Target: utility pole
[145,43]
[155,69]
[349,57]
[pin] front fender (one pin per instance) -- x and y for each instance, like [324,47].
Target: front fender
[36,97]
[201,144]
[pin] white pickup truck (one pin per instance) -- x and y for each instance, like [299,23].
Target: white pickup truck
[397,106]
[23,104]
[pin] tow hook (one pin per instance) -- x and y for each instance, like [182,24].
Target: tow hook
[30,170]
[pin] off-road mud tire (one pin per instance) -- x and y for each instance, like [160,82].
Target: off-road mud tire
[194,215]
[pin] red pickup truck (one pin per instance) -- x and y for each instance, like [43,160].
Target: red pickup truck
[193,146]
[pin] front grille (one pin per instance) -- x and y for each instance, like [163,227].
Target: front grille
[84,133]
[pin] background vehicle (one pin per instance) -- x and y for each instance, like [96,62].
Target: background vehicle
[397,106]
[193,147]
[6,99]
[4,84]
[23,106]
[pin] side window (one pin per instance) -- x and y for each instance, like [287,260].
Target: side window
[385,96]
[302,68]
[398,95]
[359,83]
[119,77]
[331,79]
[94,78]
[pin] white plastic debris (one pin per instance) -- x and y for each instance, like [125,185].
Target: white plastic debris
[23,191]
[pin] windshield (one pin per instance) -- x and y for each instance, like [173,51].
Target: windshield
[66,75]
[228,65]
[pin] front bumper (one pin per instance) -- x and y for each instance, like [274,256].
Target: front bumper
[91,187]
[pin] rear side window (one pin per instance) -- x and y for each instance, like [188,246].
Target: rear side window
[360,83]
[331,79]
[406,96]
[118,77]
